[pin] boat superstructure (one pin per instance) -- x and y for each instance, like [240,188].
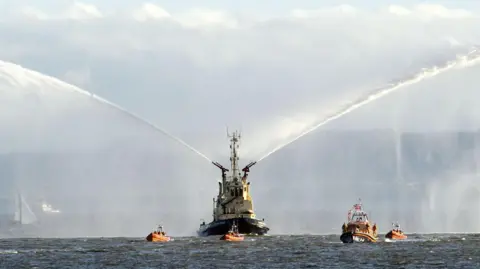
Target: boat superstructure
[233,203]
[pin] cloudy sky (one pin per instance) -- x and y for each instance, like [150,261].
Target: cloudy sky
[266,7]
[272,69]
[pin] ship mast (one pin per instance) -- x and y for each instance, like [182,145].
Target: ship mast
[234,144]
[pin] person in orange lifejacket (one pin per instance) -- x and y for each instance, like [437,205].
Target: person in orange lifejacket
[367,227]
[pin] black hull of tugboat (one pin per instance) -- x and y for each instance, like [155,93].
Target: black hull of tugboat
[245,226]
[350,237]
[389,235]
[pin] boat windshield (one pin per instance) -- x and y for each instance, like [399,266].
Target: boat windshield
[356,213]
[359,216]
[159,229]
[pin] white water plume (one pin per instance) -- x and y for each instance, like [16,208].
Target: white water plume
[470,59]
[452,204]
[7,70]
[111,175]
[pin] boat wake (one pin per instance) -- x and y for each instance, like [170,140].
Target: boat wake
[387,240]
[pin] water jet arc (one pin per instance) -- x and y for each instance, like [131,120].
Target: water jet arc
[470,59]
[156,128]
[9,68]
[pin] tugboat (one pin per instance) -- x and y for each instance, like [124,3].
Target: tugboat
[234,203]
[358,228]
[233,234]
[158,235]
[396,233]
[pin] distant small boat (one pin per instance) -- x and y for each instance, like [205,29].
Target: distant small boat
[47,208]
[233,234]
[396,233]
[158,235]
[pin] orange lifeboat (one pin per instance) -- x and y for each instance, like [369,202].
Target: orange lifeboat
[396,233]
[158,236]
[233,234]
[232,237]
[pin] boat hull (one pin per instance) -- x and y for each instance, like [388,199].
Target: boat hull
[245,226]
[357,237]
[395,236]
[157,238]
[229,237]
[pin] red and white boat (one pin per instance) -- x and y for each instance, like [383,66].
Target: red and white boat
[358,227]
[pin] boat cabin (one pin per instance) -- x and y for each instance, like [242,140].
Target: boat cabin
[159,230]
[396,228]
[359,216]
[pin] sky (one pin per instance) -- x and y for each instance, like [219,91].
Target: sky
[267,7]
[272,69]
[291,62]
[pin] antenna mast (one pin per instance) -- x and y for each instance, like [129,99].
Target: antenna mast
[234,145]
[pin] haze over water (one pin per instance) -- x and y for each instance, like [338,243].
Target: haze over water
[273,78]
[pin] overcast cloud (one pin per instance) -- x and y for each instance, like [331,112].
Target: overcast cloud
[268,75]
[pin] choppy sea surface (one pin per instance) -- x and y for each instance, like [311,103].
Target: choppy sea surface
[295,251]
